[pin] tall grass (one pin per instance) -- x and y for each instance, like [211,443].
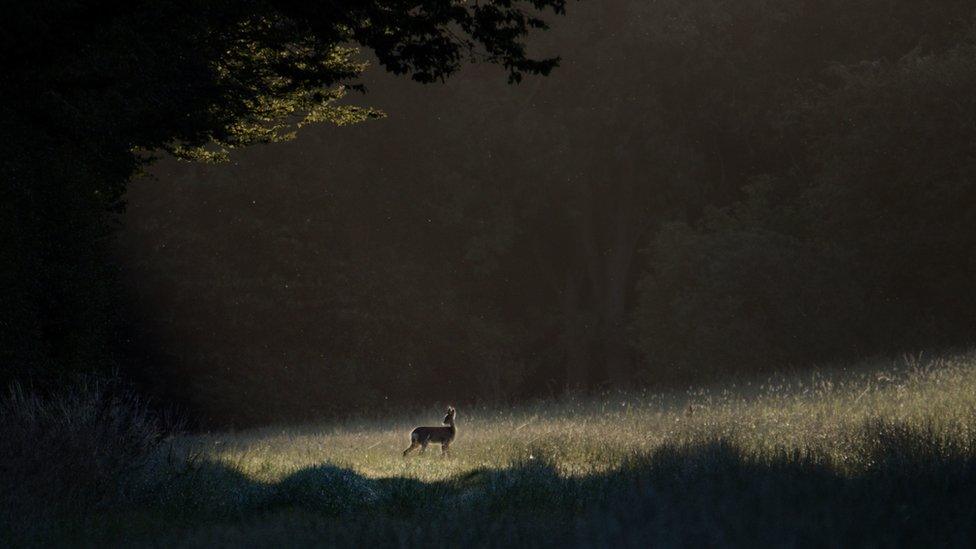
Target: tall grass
[77,450]
[881,454]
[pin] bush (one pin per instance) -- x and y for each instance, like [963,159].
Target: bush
[77,449]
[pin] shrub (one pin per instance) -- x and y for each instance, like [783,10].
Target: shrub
[76,449]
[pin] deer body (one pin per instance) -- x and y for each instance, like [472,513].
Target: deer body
[422,436]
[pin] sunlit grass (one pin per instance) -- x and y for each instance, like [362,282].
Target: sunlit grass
[879,454]
[821,411]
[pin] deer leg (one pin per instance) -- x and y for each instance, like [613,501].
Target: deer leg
[446,449]
[408,450]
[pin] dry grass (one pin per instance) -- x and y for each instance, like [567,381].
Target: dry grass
[583,437]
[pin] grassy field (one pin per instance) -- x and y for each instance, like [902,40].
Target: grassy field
[877,455]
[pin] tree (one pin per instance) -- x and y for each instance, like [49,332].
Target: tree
[93,89]
[861,243]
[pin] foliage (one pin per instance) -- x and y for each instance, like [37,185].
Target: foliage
[707,188]
[737,186]
[862,248]
[93,89]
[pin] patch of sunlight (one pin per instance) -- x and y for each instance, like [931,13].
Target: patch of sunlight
[820,411]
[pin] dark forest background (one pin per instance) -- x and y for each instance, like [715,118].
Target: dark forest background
[701,189]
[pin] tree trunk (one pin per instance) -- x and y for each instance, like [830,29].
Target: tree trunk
[614,333]
[622,240]
[576,339]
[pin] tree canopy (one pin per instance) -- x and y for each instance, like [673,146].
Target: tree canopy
[94,89]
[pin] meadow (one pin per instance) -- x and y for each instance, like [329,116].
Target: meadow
[877,454]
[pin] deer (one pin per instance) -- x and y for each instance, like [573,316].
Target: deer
[422,436]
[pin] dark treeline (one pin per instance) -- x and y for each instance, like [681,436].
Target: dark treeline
[702,188]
